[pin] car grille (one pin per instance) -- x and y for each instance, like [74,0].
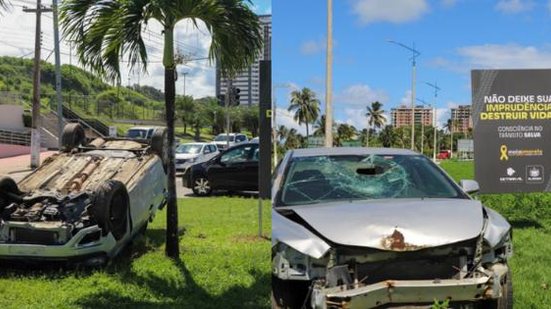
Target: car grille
[36,237]
[180,161]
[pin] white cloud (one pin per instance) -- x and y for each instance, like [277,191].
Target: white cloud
[496,56]
[514,6]
[360,95]
[284,117]
[506,56]
[312,47]
[394,11]
[406,99]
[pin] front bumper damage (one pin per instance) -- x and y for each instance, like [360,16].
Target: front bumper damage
[486,285]
[81,245]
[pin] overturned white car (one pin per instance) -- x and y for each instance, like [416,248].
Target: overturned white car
[86,202]
[369,228]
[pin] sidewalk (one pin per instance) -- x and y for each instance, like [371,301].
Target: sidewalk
[20,163]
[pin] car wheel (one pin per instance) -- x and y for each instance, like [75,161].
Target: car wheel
[111,208]
[7,185]
[159,142]
[201,186]
[72,136]
[506,299]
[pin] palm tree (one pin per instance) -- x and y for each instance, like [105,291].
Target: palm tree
[106,31]
[450,126]
[345,132]
[306,107]
[388,136]
[375,118]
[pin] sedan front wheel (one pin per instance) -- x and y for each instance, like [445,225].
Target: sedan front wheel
[201,186]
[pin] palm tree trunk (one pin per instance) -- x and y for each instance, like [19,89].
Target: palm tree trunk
[172,243]
[367,135]
[307,140]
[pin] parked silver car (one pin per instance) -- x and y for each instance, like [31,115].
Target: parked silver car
[86,202]
[366,227]
[191,153]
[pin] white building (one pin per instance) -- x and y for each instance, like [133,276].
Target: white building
[248,81]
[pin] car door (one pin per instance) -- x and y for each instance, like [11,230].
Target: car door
[227,170]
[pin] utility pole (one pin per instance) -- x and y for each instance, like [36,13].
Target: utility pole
[57,74]
[415,54]
[35,128]
[329,78]
[436,89]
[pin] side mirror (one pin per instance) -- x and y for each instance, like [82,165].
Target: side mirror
[469,186]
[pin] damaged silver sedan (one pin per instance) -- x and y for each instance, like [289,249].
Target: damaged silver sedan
[84,203]
[370,228]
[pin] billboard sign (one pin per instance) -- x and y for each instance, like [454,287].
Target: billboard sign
[512,128]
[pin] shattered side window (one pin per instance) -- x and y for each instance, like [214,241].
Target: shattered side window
[350,177]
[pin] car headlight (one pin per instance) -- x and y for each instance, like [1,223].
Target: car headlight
[192,160]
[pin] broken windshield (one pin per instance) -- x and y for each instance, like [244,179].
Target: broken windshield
[349,177]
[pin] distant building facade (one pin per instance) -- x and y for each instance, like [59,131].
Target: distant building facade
[401,116]
[248,81]
[462,119]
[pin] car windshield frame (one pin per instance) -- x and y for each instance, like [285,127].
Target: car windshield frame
[333,179]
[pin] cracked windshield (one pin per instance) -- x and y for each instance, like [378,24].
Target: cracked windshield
[329,178]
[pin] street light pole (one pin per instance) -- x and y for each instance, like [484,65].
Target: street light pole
[329,78]
[415,54]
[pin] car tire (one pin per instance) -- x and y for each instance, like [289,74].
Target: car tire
[506,299]
[111,208]
[201,186]
[72,136]
[159,145]
[7,185]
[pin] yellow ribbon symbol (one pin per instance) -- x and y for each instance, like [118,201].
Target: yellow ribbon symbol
[503,150]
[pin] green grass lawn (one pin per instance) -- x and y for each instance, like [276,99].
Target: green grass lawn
[530,216]
[223,264]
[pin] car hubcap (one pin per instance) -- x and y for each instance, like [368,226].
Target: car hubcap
[202,185]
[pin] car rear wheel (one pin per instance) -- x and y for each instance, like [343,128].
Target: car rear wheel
[72,136]
[7,185]
[159,145]
[111,208]
[201,186]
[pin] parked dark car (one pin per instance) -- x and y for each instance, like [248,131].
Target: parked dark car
[236,169]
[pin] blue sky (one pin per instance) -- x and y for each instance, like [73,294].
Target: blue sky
[453,36]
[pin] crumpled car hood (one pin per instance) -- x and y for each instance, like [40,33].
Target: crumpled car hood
[397,225]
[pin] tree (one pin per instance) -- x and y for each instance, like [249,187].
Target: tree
[106,31]
[345,132]
[185,108]
[388,136]
[306,107]
[375,118]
